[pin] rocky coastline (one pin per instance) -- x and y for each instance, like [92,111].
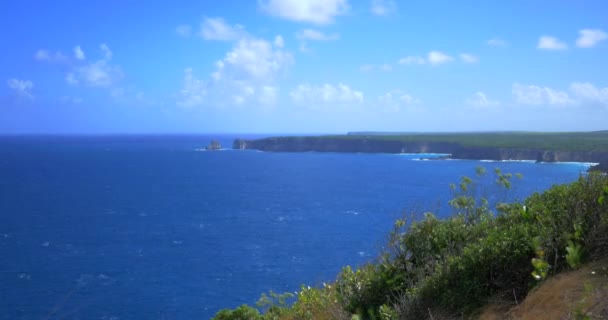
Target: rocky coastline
[455,150]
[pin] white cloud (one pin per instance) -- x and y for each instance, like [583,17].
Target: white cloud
[42,55]
[106,51]
[130,96]
[22,88]
[480,100]
[279,42]
[70,100]
[312,11]
[183,30]
[70,78]
[367,68]
[268,95]
[437,58]
[194,91]
[315,35]
[96,74]
[587,92]
[469,58]
[246,74]
[306,35]
[412,60]
[372,67]
[326,95]
[78,53]
[45,56]
[383,7]
[385,67]
[397,100]
[580,94]
[255,59]
[100,73]
[218,29]
[590,37]
[79,71]
[497,42]
[551,43]
[536,96]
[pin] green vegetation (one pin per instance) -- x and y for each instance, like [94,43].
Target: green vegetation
[556,141]
[433,268]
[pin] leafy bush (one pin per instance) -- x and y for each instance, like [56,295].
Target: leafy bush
[243,312]
[454,265]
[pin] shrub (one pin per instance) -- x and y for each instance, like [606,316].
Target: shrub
[243,312]
[454,265]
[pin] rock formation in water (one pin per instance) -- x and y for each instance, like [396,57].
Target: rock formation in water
[214,146]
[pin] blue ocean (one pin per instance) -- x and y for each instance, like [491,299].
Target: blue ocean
[152,227]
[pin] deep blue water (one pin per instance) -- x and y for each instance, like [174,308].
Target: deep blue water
[148,227]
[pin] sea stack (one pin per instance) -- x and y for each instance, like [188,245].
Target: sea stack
[214,145]
[239,144]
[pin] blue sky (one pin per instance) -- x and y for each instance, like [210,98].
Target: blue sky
[293,66]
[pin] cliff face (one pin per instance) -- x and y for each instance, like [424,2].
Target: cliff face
[304,144]
[457,151]
[476,153]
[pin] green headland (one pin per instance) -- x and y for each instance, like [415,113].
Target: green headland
[538,146]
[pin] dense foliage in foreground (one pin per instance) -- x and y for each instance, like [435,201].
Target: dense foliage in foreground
[434,267]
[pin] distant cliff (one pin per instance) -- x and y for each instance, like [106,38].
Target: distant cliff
[456,150]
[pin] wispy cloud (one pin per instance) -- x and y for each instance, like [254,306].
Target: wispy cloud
[100,73]
[481,101]
[588,93]
[551,43]
[78,53]
[46,56]
[589,38]
[537,96]
[279,42]
[579,94]
[437,57]
[319,12]
[373,67]
[22,88]
[80,71]
[409,60]
[107,53]
[218,29]
[316,35]
[326,96]
[468,58]
[397,100]
[497,42]
[383,7]
[70,100]
[193,92]
[183,30]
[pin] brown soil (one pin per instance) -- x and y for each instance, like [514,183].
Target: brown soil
[580,294]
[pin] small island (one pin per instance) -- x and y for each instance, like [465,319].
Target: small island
[214,145]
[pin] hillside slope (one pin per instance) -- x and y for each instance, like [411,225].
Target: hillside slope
[570,295]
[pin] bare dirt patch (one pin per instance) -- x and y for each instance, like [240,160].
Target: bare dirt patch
[580,294]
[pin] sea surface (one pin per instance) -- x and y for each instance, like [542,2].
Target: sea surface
[152,227]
